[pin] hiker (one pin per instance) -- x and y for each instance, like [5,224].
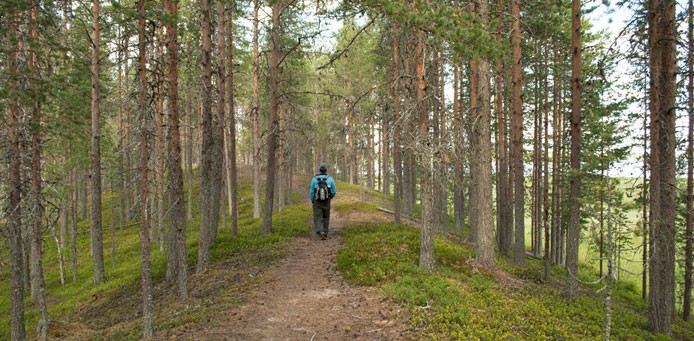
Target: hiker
[322,190]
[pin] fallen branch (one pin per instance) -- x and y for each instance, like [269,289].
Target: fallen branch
[391,212]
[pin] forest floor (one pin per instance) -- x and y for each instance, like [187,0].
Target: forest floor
[303,296]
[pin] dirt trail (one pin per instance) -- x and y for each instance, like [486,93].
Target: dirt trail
[304,297]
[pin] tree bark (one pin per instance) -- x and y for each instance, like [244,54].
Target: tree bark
[37,209]
[256,114]
[231,136]
[504,200]
[575,178]
[661,303]
[396,124]
[189,151]
[208,132]
[426,254]
[96,228]
[517,137]
[483,157]
[217,152]
[474,193]
[545,192]
[73,218]
[459,150]
[160,152]
[143,170]
[556,159]
[687,300]
[272,121]
[177,257]
[13,211]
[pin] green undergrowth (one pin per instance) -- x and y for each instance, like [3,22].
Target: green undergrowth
[116,301]
[462,302]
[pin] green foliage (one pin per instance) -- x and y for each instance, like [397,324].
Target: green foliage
[461,302]
[123,275]
[353,206]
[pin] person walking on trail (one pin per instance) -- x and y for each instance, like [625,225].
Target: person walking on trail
[322,190]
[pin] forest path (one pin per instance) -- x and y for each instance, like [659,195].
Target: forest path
[304,297]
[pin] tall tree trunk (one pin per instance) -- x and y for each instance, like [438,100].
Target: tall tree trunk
[73,218]
[13,212]
[474,193]
[545,192]
[661,303]
[483,157]
[385,135]
[645,220]
[160,152]
[436,176]
[256,114]
[177,256]
[272,120]
[143,171]
[121,128]
[575,178]
[208,143]
[189,151]
[443,158]
[459,150]
[281,160]
[231,136]
[96,228]
[503,198]
[536,174]
[517,137]
[396,124]
[556,159]
[426,255]
[217,184]
[127,138]
[687,301]
[61,238]
[37,209]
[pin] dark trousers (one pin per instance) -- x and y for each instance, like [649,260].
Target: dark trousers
[321,216]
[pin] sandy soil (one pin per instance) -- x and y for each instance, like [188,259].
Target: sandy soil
[304,297]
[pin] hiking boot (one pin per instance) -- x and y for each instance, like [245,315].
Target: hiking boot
[323,235]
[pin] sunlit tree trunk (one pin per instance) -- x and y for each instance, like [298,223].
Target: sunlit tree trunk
[575,178]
